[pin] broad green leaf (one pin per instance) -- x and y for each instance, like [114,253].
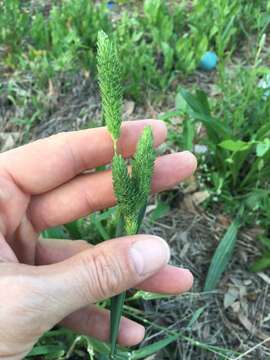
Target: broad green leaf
[216,130]
[194,102]
[262,148]
[199,110]
[180,103]
[222,256]
[203,99]
[235,145]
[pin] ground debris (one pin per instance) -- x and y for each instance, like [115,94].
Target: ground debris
[235,316]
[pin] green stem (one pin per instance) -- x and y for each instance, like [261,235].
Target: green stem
[117,302]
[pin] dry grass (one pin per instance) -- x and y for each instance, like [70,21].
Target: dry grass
[236,316]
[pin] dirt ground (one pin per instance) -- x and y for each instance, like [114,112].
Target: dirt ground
[236,315]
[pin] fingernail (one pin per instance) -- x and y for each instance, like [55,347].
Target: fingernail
[149,255]
[190,159]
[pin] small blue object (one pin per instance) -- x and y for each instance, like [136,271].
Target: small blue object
[208,61]
[110,5]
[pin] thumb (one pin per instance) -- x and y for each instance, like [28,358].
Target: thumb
[99,273]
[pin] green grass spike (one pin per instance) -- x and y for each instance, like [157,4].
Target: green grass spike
[109,76]
[121,184]
[143,165]
[132,191]
[125,192]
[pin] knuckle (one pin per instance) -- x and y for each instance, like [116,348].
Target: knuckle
[63,138]
[105,275]
[82,244]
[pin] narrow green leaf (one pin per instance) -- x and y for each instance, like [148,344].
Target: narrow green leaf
[196,316]
[101,230]
[47,350]
[188,134]
[73,229]
[55,233]
[222,256]
[117,303]
[153,348]
[235,145]
[145,295]
[141,216]
[169,114]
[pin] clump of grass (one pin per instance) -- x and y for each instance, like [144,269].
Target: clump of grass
[131,189]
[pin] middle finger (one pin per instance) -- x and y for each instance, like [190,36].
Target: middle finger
[91,192]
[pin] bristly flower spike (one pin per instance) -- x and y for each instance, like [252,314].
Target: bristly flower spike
[143,164]
[109,76]
[132,190]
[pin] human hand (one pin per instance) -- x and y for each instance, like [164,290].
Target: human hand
[44,282]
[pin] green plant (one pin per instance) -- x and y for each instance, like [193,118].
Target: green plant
[236,160]
[131,190]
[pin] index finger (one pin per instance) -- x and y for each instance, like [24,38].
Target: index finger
[48,163]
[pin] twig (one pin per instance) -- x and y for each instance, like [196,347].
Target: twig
[252,349]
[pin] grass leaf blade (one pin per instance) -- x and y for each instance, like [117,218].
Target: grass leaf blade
[222,256]
[117,303]
[153,348]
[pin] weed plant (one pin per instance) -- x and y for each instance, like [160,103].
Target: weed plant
[236,164]
[131,190]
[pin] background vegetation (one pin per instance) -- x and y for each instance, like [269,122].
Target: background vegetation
[223,116]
